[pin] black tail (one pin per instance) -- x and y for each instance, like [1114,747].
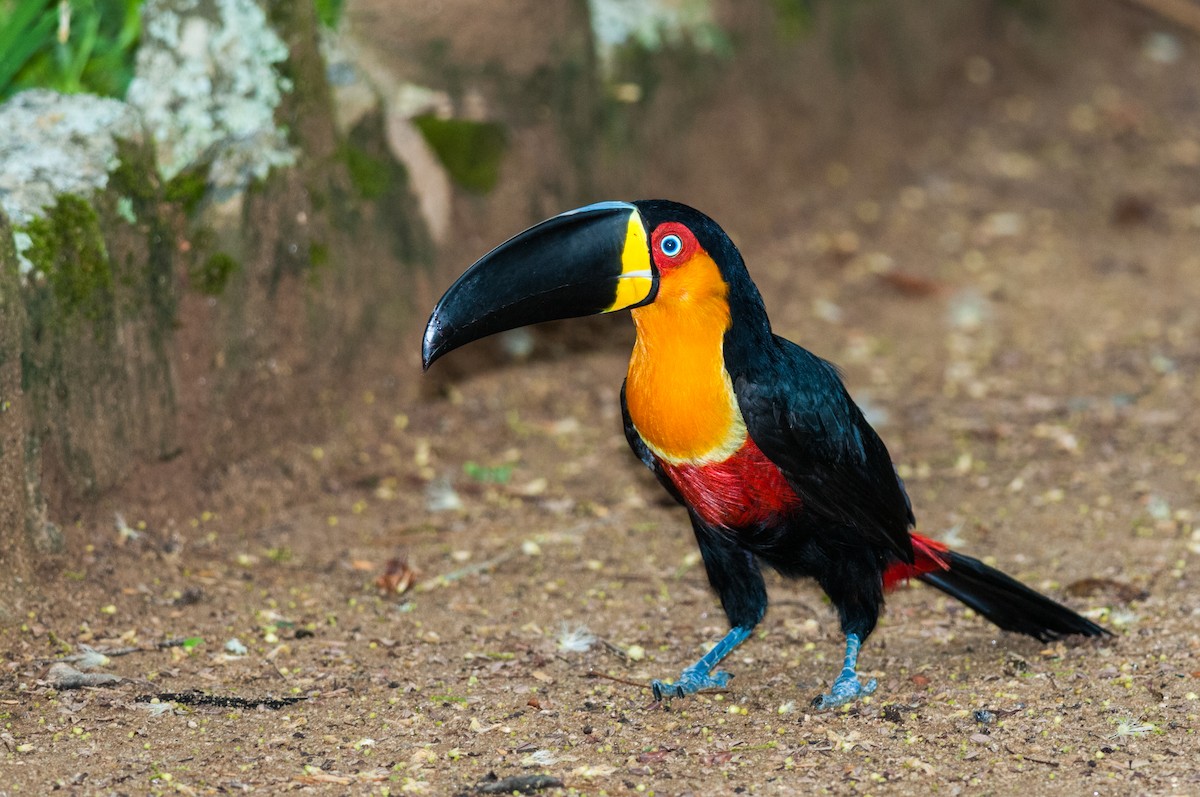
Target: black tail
[1007,602]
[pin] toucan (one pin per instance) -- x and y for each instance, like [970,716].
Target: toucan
[755,436]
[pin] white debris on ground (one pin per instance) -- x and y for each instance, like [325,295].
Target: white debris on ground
[575,639]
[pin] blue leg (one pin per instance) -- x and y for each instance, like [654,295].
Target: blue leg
[698,676]
[847,687]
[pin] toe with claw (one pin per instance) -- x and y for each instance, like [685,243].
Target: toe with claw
[690,682]
[701,675]
[845,690]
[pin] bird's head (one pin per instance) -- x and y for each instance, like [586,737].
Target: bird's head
[597,259]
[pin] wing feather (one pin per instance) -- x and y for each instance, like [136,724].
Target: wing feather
[799,414]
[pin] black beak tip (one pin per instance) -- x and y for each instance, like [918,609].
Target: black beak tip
[431,345]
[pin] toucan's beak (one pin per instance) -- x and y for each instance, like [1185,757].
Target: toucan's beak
[592,260]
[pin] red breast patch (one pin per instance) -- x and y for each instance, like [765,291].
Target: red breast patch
[743,490]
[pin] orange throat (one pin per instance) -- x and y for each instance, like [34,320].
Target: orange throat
[677,390]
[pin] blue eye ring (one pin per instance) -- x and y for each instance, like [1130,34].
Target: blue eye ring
[670,245]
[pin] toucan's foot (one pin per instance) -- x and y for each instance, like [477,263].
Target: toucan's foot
[690,682]
[701,675]
[845,690]
[846,687]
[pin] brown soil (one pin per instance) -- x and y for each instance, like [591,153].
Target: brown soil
[1010,278]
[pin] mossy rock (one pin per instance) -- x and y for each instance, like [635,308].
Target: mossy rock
[470,151]
[99,303]
[211,274]
[19,505]
[68,250]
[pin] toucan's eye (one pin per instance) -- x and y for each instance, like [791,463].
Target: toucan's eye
[670,245]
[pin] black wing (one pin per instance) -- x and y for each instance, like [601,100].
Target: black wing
[799,414]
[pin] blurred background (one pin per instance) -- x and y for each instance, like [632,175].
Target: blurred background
[222,207]
[223,224]
[759,112]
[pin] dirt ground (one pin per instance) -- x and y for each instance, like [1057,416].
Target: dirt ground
[1012,287]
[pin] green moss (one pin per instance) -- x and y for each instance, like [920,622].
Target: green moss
[308,98]
[371,175]
[318,197]
[140,193]
[211,275]
[136,175]
[395,216]
[470,151]
[793,18]
[318,255]
[329,12]
[68,248]
[188,187]
[319,263]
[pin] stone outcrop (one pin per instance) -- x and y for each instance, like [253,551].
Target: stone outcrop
[168,288]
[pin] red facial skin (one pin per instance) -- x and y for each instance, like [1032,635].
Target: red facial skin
[689,245]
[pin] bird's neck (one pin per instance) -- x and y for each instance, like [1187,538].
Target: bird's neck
[677,390]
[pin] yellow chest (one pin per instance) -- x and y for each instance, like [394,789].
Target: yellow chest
[677,390]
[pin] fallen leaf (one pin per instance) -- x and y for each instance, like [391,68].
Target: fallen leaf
[1123,592]
[909,284]
[398,576]
[716,759]
[654,756]
[1130,209]
[479,727]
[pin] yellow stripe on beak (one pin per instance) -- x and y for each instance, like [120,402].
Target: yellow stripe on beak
[637,279]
